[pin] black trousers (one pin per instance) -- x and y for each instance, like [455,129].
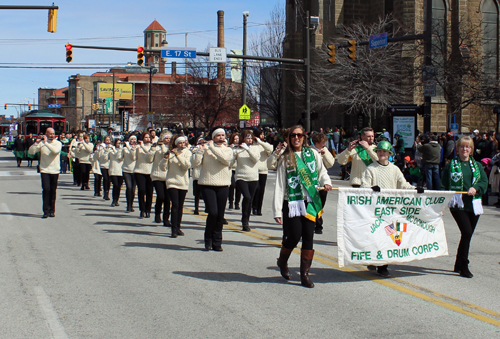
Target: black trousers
[49,187]
[85,174]
[196,194]
[130,191]
[247,189]
[106,184]
[296,228]
[97,183]
[117,186]
[259,193]
[177,198]
[144,191]
[215,198]
[466,222]
[162,199]
[234,192]
[76,171]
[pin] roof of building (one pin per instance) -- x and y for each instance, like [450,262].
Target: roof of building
[43,113]
[155,26]
[59,93]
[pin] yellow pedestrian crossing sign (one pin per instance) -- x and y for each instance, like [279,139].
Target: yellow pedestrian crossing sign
[245,113]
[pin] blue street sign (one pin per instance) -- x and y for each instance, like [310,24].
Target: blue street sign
[179,52]
[379,40]
[54,106]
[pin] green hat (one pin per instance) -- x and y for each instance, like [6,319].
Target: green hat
[384,145]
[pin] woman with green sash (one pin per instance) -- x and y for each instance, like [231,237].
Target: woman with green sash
[296,202]
[463,173]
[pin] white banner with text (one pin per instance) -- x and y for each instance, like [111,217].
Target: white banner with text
[391,226]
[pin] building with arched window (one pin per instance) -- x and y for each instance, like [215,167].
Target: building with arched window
[465,57]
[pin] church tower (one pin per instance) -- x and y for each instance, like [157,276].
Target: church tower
[155,37]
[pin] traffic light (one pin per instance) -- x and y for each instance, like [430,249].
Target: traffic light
[352,50]
[140,55]
[69,53]
[52,20]
[5,106]
[29,107]
[331,53]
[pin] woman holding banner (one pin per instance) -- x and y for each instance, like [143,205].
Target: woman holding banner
[296,202]
[463,173]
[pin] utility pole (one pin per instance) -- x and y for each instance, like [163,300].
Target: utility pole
[428,61]
[244,69]
[307,75]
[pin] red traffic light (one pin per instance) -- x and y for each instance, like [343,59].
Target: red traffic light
[69,47]
[140,55]
[29,107]
[140,49]
[5,106]
[69,52]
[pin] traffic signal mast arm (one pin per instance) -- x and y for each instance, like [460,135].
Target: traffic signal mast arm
[396,39]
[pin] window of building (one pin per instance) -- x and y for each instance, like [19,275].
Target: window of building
[439,37]
[490,38]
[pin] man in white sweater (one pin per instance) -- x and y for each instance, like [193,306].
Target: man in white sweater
[50,166]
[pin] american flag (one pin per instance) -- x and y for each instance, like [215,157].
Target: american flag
[188,90]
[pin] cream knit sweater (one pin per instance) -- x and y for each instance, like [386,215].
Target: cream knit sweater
[358,166]
[115,156]
[102,152]
[177,167]
[280,188]
[328,159]
[265,151]
[215,162]
[141,164]
[247,163]
[82,151]
[50,155]
[384,176]
[129,155]
[94,160]
[155,156]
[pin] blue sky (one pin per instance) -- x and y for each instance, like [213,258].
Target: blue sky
[25,41]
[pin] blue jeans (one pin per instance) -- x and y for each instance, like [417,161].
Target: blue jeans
[64,165]
[432,176]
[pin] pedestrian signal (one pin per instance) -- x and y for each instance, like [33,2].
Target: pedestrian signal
[140,55]
[331,53]
[352,49]
[69,53]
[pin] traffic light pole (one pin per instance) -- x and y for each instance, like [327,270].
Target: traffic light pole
[428,62]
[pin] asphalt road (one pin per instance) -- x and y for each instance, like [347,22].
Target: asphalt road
[95,271]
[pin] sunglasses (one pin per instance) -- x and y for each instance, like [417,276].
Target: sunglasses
[297,135]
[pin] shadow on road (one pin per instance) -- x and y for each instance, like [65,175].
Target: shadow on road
[33,193]
[163,246]
[138,232]
[22,214]
[231,277]
[120,223]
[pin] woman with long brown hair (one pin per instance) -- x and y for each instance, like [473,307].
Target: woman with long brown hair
[296,202]
[142,173]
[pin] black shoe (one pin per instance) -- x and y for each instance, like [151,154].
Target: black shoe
[318,230]
[224,221]
[87,187]
[141,215]
[464,271]
[132,209]
[106,198]
[117,203]
[52,215]
[166,223]
[371,268]
[246,228]
[98,195]
[157,218]
[179,232]
[147,215]
[259,212]
[237,207]
[45,216]
[174,233]
[217,248]
[254,211]
[383,271]
[82,188]
[128,209]
[196,212]
[208,244]
[230,206]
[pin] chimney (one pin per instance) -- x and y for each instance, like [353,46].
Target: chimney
[174,69]
[221,67]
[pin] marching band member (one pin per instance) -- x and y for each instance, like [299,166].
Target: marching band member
[361,153]
[159,177]
[82,152]
[104,163]
[247,158]
[319,144]
[142,173]
[96,169]
[129,154]
[234,192]
[115,156]
[384,174]
[463,173]
[196,175]
[215,158]
[177,163]
[296,202]
[265,150]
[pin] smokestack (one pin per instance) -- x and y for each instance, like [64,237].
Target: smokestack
[221,68]
[174,69]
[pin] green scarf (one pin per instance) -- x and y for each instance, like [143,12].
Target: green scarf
[363,154]
[456,181]
[305,174]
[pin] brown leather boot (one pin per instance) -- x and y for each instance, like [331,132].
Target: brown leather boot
[306,258]
[283,263]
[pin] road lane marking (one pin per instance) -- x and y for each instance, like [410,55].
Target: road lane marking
[4,208]
[50,314]
[397,284]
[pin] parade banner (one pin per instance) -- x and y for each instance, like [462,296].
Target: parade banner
[391,226]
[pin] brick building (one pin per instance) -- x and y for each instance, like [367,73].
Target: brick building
[334,14]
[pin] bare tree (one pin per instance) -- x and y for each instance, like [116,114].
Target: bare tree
[378,78]
[264,78]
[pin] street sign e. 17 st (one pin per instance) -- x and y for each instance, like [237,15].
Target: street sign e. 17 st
[379,40]
[54,106]
[179,52]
